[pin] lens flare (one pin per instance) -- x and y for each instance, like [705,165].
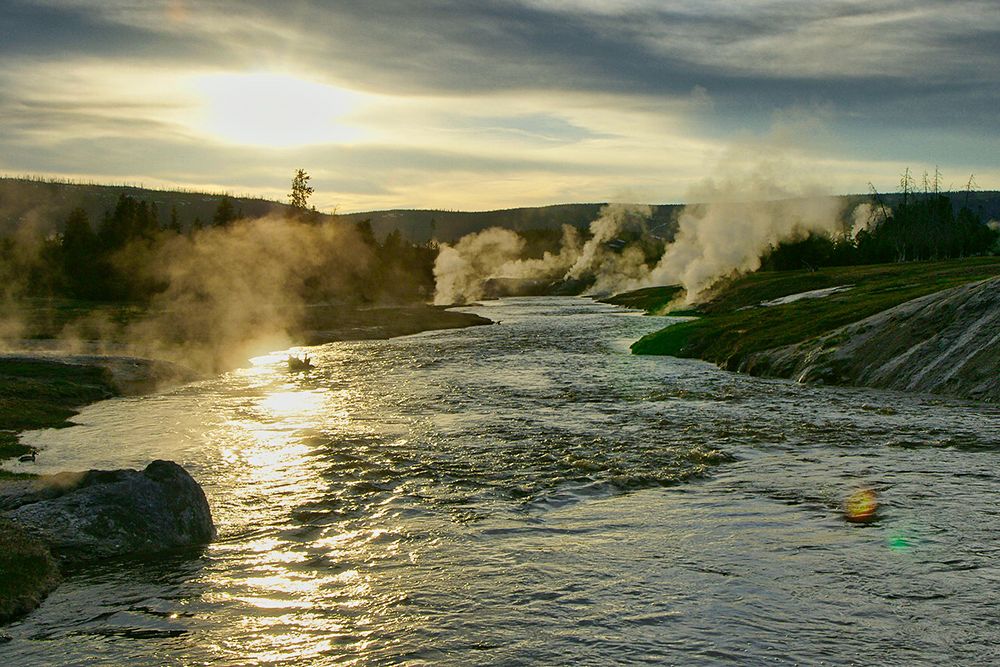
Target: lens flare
[861,506]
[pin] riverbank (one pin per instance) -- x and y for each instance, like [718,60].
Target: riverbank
[765,311]
[42,386]
[36,392]
[44,392]
[326,323]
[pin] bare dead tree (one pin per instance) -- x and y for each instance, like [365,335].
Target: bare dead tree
[906,184]
[878,200]
[969,187]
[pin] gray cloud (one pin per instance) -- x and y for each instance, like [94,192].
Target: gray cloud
[771,48]
[888,70]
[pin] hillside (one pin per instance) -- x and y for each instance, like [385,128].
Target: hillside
[942,343]
[448,226]
[48,203]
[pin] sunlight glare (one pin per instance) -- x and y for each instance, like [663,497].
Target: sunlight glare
[294,403]
[275,110]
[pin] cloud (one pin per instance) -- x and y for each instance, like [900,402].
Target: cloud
[513,101]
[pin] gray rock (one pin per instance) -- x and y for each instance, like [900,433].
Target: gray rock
[101,513]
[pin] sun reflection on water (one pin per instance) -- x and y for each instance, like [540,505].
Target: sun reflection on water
[302,597]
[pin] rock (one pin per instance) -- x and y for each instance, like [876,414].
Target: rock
[99,513]
[943,343]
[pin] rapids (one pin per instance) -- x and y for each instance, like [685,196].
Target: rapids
[531,493]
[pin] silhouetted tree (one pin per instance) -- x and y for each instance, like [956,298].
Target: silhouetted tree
[174,225]
[301,191]
[225,213]
[80,261]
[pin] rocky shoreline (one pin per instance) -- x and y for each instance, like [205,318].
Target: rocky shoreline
[98,514]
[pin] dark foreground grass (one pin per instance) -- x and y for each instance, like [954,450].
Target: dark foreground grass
[27,572]
[734,326]
[35,393]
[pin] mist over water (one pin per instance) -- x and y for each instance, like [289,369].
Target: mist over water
[726,235]
[216,295]
[758,195]
[530,493]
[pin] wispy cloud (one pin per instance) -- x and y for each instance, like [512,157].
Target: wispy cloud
[477,105]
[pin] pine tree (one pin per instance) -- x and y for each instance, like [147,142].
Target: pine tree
[301,190]
[225,213]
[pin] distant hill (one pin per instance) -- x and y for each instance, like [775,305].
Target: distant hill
[46,205]
[420,226]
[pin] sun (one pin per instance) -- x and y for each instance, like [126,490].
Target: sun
[275,110]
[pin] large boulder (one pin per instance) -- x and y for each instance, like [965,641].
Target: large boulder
[102,513]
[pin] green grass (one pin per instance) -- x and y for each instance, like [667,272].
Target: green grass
[732,327]
[10,447]
[35,393]
[651,299]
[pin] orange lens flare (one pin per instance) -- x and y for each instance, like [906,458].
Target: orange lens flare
[861,506]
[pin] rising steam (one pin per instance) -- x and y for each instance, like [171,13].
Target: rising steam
[725,237]
[737,221]
[236,290]
[463,269]
[226,292]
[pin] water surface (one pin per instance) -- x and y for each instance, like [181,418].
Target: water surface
[530,493]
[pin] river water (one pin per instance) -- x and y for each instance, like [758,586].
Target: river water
[530,493]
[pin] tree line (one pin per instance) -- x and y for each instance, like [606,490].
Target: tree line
[114,260]
[921,226]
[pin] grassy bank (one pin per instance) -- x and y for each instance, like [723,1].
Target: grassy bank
[653,300]
[733,324]
[42,393]
[325,323]
[112,325]
[35,393]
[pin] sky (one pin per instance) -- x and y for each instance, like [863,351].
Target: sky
[486,104]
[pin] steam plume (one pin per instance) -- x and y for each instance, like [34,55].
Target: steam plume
[724,237]
[462,270]
[738,219]
[231,291]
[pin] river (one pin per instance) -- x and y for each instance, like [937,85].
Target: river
[531,493]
